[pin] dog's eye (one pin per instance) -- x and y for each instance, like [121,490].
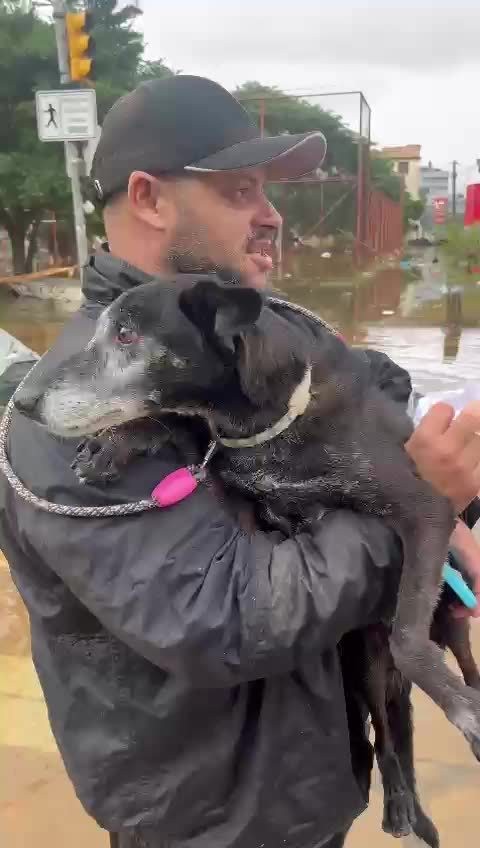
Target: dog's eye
[125,336]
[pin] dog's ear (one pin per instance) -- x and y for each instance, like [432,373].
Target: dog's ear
[221,312]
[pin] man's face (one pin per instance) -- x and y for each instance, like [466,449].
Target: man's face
[224,223]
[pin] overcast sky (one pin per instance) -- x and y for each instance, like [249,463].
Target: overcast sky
[418,63]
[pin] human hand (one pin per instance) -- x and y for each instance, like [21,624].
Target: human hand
[466,549]
[446,451]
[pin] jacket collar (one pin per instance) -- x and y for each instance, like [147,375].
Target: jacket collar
[108,277]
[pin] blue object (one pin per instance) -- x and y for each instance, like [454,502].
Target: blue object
[457,583]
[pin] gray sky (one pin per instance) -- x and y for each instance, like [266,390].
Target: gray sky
[418,63]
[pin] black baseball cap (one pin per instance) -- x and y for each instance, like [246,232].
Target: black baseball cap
[191,124]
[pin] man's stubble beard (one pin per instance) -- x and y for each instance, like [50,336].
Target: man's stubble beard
[189,253]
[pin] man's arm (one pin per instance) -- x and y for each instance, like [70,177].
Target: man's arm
[192,593]
[445,451]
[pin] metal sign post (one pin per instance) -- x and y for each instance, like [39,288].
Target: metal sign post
[69,115]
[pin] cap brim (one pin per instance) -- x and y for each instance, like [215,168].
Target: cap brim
[284,157]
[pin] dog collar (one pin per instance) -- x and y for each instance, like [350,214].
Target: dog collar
[181,483]
[296,407]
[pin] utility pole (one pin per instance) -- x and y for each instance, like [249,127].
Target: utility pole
[454,188]
[73,149]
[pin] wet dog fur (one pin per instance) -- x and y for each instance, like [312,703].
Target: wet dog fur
[216,354]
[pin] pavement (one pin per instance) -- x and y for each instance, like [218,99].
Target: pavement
[39,809]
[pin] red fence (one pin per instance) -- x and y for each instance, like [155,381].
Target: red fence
[384,224]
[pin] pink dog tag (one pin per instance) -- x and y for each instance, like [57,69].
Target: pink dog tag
[175,487]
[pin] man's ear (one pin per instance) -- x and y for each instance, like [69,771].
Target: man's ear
[221,312]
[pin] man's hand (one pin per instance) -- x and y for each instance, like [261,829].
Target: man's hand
[446,452]
[467,550]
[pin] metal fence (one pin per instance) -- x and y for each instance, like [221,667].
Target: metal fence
[334,207]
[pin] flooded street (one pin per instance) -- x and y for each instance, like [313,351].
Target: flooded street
[426,323]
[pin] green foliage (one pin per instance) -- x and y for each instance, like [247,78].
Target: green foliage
[32,173]
[461,247]
[412,209]
[119,48]
[284,113]
[384,178]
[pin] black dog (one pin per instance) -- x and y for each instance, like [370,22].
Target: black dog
[298,428]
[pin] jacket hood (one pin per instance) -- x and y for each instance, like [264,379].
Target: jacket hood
[108,277]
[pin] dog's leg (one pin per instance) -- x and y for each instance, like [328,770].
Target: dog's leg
[354,669]
[271,519]
[425,533]
[457,639]
[398,800]
[102,458]
[399,710]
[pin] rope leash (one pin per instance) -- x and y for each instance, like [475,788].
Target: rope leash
[110,510]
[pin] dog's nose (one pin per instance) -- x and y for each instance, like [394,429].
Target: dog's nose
[27,402]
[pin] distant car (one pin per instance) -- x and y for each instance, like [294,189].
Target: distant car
[15,362]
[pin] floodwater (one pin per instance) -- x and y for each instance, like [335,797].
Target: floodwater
[427,323]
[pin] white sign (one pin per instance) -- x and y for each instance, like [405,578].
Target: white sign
[68,115]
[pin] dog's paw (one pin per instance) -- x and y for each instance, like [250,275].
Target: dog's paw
[95,461]
[399,812]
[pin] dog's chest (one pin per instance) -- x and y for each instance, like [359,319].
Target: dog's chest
[292,472]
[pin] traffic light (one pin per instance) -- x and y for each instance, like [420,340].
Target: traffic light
[81,46]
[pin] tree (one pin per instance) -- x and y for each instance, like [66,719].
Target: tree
[303,205]
[284,113]
[32,173]
[461,246]
[119,48]
[384,177]
[412,209]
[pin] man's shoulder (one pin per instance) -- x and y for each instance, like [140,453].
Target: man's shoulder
[389,377]
[299,315]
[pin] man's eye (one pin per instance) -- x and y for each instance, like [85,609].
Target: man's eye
[125,336]
[243,192]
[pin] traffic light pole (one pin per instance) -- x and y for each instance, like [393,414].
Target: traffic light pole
[73,150]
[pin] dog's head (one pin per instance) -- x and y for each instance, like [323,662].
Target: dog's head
[159,347]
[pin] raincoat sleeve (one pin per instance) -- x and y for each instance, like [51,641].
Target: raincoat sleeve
[194,594]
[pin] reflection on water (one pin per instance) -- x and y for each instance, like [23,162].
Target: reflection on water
[425,321]
[36,323]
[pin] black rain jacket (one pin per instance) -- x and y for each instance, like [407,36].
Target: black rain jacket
[190,670]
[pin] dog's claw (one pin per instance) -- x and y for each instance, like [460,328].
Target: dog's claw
[95,462]
[399,813]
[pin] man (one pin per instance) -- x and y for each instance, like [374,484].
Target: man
[191,670]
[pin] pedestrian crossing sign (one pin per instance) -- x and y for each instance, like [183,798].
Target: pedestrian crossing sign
[66,115]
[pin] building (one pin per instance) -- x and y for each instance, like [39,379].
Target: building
[406,161]
[433,183]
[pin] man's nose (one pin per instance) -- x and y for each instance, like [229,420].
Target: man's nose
[27,402]
[267,215]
